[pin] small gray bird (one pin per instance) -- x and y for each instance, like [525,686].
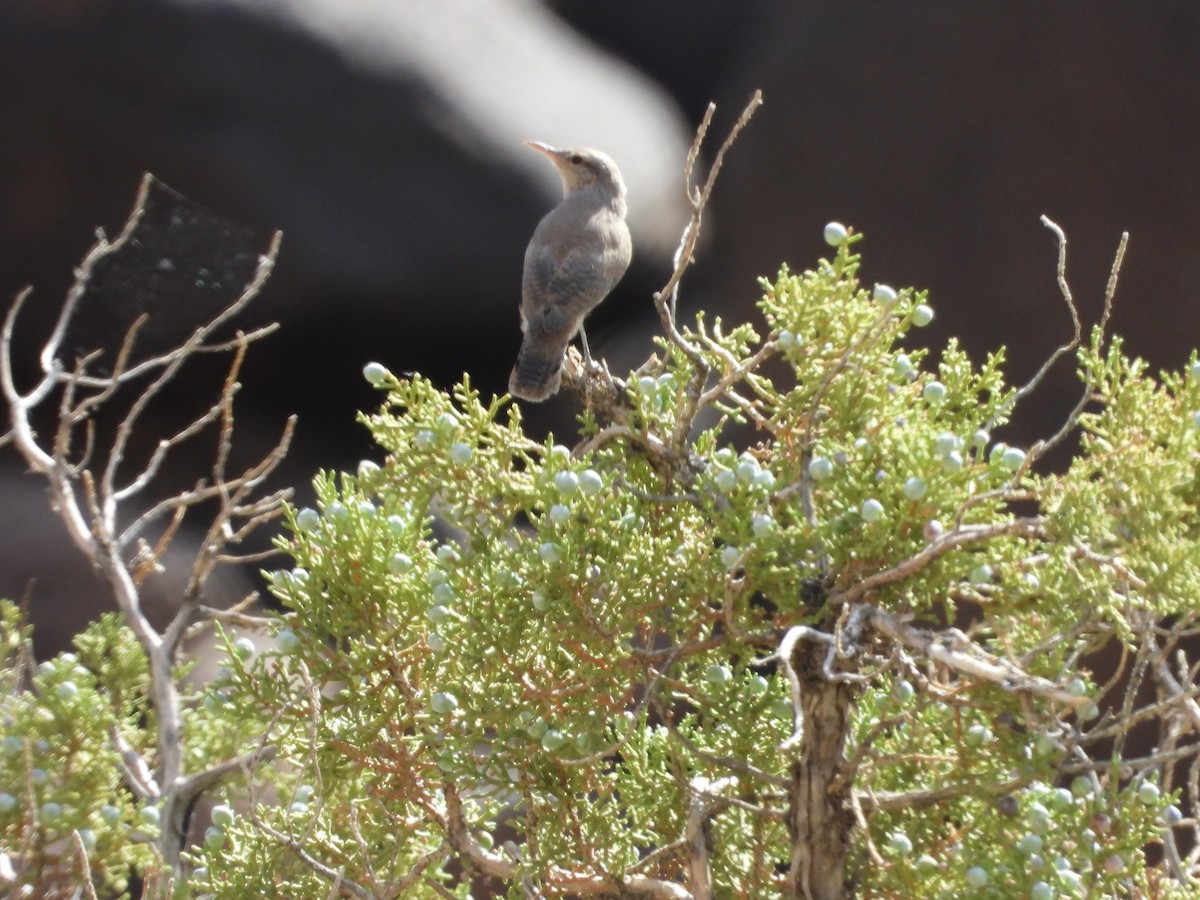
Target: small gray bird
[578,253]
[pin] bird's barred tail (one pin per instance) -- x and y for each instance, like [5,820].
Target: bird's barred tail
[538,372]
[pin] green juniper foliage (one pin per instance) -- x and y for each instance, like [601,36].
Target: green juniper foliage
[508,665]
[492,639]
[60,771]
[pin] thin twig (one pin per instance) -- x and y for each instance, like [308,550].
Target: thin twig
[960,536]
[498,866]
[1072,418]
[154,363]
[1076,326]
[698,197]
[85,865]
[665,300]
[330,874]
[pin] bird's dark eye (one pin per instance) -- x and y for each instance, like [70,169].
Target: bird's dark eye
[576,159]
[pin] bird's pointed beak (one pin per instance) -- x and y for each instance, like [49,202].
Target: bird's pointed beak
[543,148]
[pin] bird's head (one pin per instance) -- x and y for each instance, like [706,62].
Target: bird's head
[583,167]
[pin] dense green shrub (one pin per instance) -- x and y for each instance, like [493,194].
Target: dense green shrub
[782,617]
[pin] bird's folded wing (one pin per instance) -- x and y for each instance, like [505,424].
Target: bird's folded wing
[557,294]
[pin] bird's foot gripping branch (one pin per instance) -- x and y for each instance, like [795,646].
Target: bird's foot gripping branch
[784,617]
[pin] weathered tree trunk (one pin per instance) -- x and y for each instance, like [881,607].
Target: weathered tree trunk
[820,819]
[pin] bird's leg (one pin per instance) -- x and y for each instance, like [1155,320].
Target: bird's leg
[587,352]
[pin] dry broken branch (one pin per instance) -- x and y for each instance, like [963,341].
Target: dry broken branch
[89,496]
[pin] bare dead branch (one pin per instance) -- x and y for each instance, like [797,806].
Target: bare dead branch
[498,866]
[49,356]
[336,877]
[1076,326]
[221,532]
[665,299]
[105,387]
[1110,289]
[85,866]
[1072,419]
[873,801]
[152,468]
[194,785]
[705,800]
[961,535]
[698,197]
[154,363]
[953,650]
[424,863]
[731,763]
[1177,694]
[136,771]
[19,406]
[203,492]
[88,500]
[230,617]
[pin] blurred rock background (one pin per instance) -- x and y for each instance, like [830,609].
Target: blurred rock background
[384,139]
